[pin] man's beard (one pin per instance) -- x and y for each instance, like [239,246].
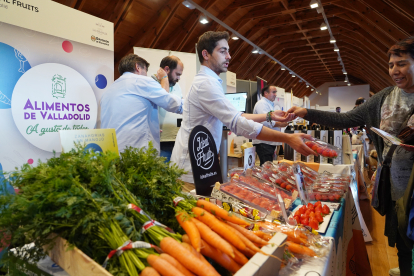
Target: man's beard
[171,81]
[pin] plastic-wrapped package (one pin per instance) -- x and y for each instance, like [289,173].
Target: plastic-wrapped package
[335,176]
[325,194]
[323,148]
[259,200]
[309,174]
[280,179]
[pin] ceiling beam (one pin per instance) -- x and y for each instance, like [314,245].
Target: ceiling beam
[155,21]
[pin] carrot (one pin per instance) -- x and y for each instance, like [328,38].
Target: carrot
[190,248]
[176,264]
[248,243]
[285,230]
[186,239]
[248,252]
[263,235]
[213,238]
[248,234]
[239,257]
[215,225]
[217,211]
[149,271]
[189,227]
[221,258]
[300,249]
[191,262]
[162,266]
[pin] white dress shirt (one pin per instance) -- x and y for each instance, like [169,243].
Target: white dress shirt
[261,107]
[130,106]
[206,105]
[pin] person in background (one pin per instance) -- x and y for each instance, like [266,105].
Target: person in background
[130,105]
[265,149]
[359,101]
[174,68]
[389,110]
[206,105]
[338,109]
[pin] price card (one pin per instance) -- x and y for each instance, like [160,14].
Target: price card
[300,184]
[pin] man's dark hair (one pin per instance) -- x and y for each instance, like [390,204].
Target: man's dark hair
[170,61]
[208,41]
[266,89]
[360,100]
[127,63]
[405,46]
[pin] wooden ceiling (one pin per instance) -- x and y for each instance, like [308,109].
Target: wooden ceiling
[289,30]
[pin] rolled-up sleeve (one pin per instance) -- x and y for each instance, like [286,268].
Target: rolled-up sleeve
[213,101]
[157,95]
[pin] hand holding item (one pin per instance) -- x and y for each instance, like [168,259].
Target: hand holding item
[161,74]
[298,111]
[281,116]
[297,143]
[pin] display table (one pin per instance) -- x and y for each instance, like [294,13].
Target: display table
[347,229]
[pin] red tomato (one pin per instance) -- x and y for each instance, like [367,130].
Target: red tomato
[319,217]
[289,187]
[331,197]
[320,150]
[314,224]
[283,185]
[315,147]
[324,197]
[337,197]
[318,209]
[326,153]
[325,210]
[304,221]
[318,197]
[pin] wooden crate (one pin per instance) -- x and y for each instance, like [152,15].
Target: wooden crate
[75,262]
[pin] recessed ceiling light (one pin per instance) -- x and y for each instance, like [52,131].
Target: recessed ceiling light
[188,5]
[235,37]
[314,4]
[203,20]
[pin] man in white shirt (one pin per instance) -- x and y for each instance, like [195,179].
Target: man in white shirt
[206,105]
[130,105]
[265,149]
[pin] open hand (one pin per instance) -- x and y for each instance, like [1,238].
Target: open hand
[298,111]
[296,142]
[281,116]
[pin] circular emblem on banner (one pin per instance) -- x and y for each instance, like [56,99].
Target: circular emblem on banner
[51,97]
[202,150]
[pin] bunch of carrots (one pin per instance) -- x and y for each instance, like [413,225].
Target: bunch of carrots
[214,233]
